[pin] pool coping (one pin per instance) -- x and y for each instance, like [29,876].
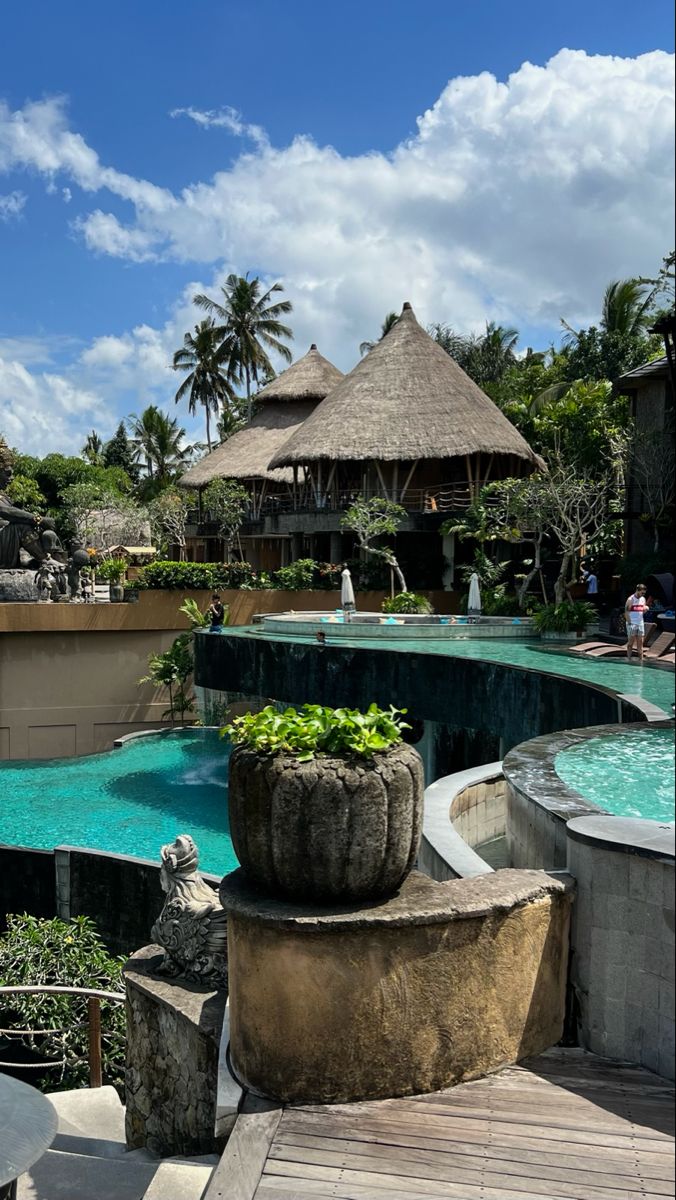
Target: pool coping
[440,838]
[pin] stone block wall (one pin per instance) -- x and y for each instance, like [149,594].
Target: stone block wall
[536,835]
[622,966]
[173,1035]
[479,812]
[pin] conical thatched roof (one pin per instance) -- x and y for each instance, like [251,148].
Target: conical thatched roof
[288,402]
[406,399]
[246,454]
[310,378]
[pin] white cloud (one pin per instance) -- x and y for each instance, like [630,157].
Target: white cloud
[515,200]
[44,412]
[11,205]
[224,118]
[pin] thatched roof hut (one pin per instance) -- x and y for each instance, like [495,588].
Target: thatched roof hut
[286,403]
[407,400]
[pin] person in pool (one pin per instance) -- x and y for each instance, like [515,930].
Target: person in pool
[634,614]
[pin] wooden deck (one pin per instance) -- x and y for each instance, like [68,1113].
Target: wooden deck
[566,1124]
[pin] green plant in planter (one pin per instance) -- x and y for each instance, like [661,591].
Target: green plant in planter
[325,804]
[317,730]
[571,616]
[112,570]
[407,602]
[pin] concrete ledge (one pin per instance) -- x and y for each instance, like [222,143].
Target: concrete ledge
[444,854]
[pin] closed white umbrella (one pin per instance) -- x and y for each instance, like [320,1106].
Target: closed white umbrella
[474,599]
[347,600]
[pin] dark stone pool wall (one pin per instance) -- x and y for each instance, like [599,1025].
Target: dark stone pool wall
[506,704]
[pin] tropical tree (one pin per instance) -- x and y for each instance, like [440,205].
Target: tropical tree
[228,503]
[168,514]
[376,518]
[248,325]
[160,440]
[204,356]
[485,357]
[390,320]
[92,451]
[119,452]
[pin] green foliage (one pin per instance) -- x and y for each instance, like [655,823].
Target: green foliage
[228,503]
[37,951]
[199,620]
[407,602]
[112,569]
[371,520]
[185,576]
[583,422]
[299,576]
[119,452]
[317,730]
[25,493]
[599,354]
[568,617]
[635,568]
[172,669]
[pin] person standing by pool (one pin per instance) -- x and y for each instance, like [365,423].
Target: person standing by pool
[634,613]
[216,613]
[590,578]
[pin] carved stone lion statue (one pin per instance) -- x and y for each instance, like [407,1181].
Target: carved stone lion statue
[192,927]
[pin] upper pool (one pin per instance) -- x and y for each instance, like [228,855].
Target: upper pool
[655,686]
[128,801]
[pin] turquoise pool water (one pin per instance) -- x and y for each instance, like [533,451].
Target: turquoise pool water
[129,801]
[631,774]
[653,685]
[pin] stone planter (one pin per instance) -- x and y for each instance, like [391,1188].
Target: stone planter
[331,829]
[116,593]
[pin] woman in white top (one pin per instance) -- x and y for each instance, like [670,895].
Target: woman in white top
[634,613]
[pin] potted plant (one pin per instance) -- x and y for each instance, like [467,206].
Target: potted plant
[407,602]
[113,570]
[325,804]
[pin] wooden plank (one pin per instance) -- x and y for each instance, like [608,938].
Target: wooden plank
[519,1149]
[277,1187]
[550,1120]
[426,1168]
[462,1124]
[516,1168]
[238,1173]
[368,1185]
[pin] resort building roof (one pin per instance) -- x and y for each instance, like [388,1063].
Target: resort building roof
[285,405]
[407,399]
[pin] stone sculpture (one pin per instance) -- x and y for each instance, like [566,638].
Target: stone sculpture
[26,542]
[77,560]
[192,927]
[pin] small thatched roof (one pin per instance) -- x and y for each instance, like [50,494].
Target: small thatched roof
[406,399]
[246,454]
[310,378]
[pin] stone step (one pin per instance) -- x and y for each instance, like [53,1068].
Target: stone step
[181,1179]
[91,1121]
[62,1176]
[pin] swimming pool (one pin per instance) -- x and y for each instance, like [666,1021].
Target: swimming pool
[630,774]
[655,686]
[127,801]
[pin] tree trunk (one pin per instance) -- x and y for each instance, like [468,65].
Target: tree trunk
[248,394]
[561,584]
[536,569]
[206,408]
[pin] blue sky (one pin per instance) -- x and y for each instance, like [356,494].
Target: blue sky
[363,153]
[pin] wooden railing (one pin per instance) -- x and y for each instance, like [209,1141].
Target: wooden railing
[94,998]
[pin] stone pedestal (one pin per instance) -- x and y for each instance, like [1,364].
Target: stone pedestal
[443,982]
[173,1034]
[17,586]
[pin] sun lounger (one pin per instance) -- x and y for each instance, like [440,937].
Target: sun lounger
[660,646]
[587,646]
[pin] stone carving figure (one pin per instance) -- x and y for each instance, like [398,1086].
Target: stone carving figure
[192,927]
[47,580]
[78,559]
[22,534]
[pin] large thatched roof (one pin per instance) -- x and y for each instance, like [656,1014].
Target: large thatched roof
[310,378]
[288,401]
[407,399]
[246,454]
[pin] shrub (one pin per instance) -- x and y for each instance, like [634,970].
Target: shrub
[112,569]
[39,951]
[184,576]
[317,730]
[297,577]
[568,617]
[407,602]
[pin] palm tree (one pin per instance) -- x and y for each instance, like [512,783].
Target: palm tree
[390,320]
[92,450]
[249,324]
[203,357]
[160,439]
[625,307]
